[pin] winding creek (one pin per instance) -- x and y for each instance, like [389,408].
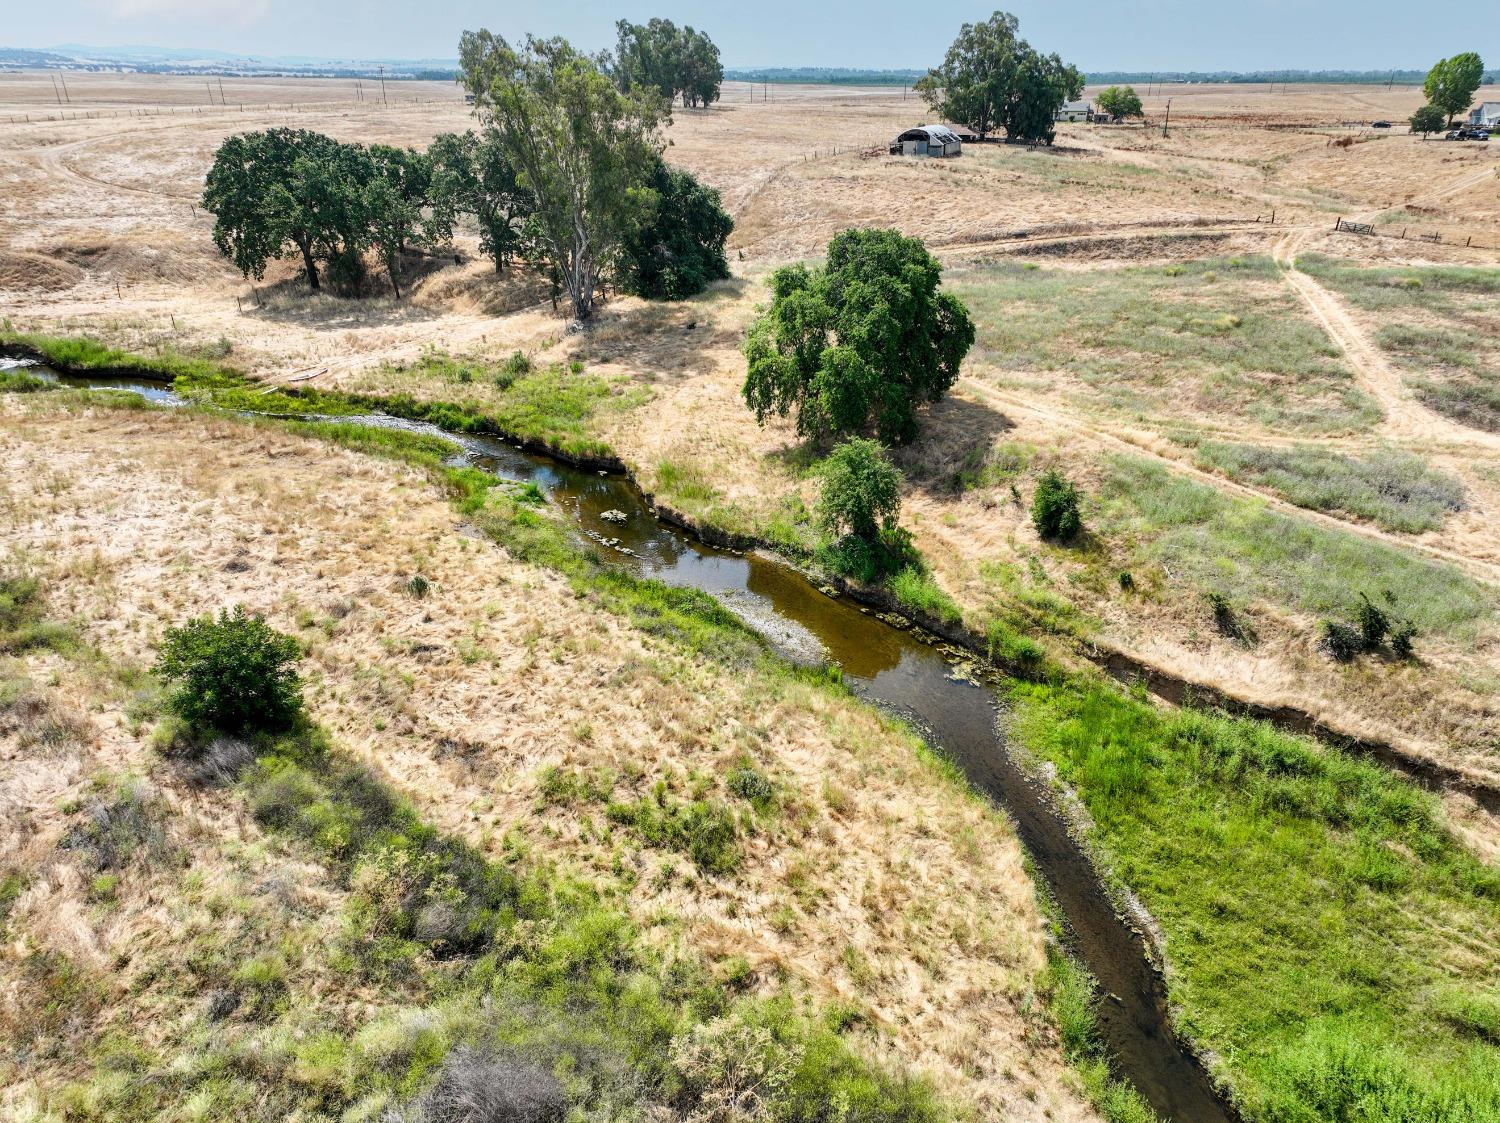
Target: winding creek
[899,669]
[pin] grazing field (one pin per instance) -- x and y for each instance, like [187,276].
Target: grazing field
[1281,434]
[1215,342]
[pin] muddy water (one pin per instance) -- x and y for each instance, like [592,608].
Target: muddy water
[896,669]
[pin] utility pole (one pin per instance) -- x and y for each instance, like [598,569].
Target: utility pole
[1168,120]
[383,100]
[221,92]
[55,91]
[66,95]
[210,90]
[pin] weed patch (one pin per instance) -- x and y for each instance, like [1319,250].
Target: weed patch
[1242,549]
[1393,489]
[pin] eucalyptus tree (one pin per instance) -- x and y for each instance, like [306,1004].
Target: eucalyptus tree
[580,145]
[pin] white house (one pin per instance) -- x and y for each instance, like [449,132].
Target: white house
[1075,111]
[1486,113]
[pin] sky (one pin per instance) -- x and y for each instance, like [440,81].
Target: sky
[1097,34]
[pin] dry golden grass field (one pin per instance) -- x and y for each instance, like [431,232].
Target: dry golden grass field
[882,885]
[1142,323]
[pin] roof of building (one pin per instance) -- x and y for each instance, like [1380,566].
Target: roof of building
[940,133]
[1076,107]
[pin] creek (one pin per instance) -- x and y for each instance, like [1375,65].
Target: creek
[896,667]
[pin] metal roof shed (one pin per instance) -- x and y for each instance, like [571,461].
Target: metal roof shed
[927,140]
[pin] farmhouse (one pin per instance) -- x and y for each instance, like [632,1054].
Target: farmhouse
[1075,111]
[1485,113]
[927,140]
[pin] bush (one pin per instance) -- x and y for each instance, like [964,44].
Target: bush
[752,785]
[233,673]
[1341,642]
[1054,507]
[1401,638]
[1374,624]
[861,490]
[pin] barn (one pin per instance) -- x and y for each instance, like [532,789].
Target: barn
[927,140]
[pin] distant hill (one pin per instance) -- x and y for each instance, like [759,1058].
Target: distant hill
[174,60]
[22,56]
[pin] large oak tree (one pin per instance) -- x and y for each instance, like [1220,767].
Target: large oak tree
[859,344]
[1451,83]
[992,79]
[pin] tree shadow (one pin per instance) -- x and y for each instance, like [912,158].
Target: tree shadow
[665,337]
[953,433]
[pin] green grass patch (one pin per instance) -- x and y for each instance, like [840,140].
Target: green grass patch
[1202,338]
[1243,550]
[915,590]
[1380,288]
[18,380]
[1393,489]
[78,354]
[554,405]
[23,622]
[1329,941]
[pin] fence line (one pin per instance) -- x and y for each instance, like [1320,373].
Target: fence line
[1435,237]
[242,107]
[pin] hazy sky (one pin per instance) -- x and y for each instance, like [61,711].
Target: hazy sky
[1177,34]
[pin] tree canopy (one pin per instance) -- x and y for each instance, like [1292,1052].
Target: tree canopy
[295,193]
[679,250]
[675,62]
[1428,119]
[472,174]
[1451,83]
[1120,102]
[858,344]
[992,79]
[582,148]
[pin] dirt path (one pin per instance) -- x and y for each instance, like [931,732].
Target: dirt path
[1406,419]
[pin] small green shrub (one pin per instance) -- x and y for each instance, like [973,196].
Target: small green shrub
[861,490]
[1341,642]
[1054,507]
[234,673]
[753,786]
[1374,624]
[703,829]
[516,365]
[1402,635]
[418,586]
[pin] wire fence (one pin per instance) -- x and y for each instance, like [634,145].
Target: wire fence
[42,117]
[1432,237]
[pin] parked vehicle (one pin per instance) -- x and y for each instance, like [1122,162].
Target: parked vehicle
[1380,124]
[1456,134]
